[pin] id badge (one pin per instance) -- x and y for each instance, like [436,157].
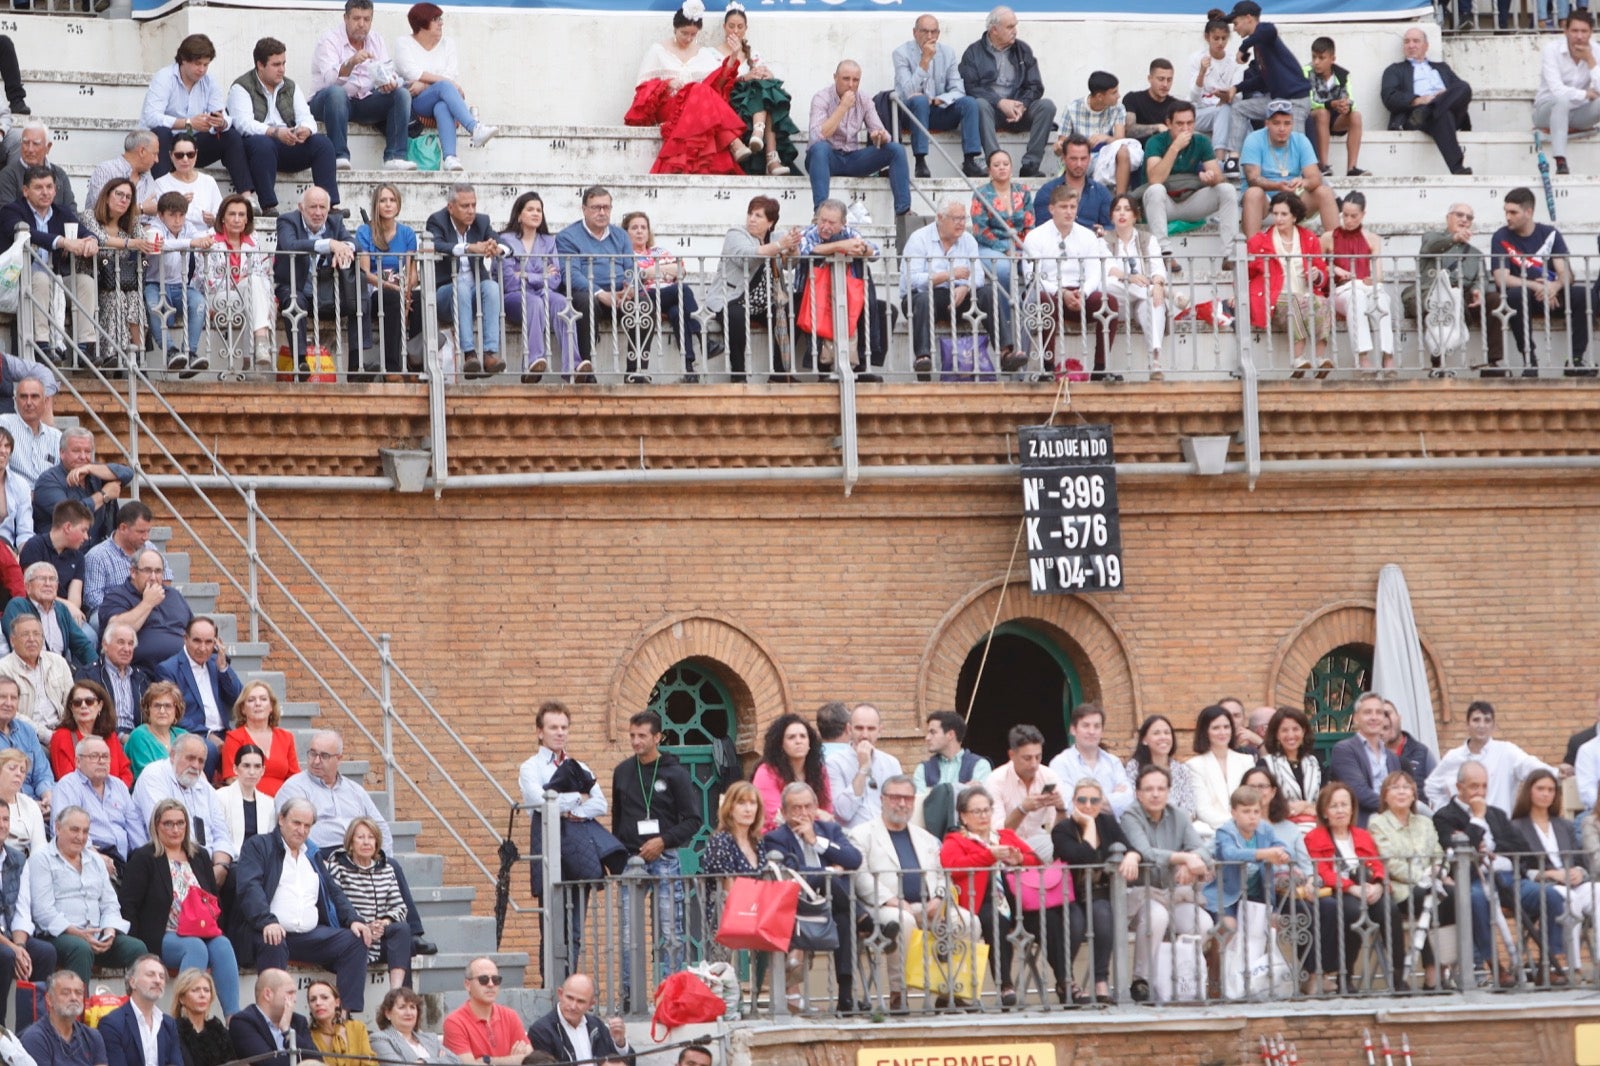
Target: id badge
[649,827]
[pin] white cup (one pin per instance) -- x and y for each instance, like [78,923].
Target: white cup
[70,230]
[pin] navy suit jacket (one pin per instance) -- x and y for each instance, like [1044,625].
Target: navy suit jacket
[22,211]
[252,1035]
[546,1034]
[225,688]
[289,272]
[838,852]
[125,1046]
[443,230]
[1348,763]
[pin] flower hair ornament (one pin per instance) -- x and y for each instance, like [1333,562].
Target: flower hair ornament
[734,5]
[693,10]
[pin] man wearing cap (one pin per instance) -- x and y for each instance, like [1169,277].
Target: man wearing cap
[1423,95]
[1281,159]
[1271,73]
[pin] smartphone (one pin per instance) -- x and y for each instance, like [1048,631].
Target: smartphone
[1048,789]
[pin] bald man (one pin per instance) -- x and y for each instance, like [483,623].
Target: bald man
[838,115]
[572,1034]
[270,1023]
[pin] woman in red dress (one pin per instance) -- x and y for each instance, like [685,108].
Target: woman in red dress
[255,721]
[683,88]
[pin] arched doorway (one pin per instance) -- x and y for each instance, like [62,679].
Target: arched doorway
[698,720]
[1331,690]
[1028,678]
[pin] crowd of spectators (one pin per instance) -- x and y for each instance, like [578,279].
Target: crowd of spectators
[1352,837]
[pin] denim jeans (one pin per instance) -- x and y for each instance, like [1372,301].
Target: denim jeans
[216,955]
[390,111]
[168,328]
[669,922]
[442,102]
[488,297]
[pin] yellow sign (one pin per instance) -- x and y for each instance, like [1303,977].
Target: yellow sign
[1586,1037]
[959,1055]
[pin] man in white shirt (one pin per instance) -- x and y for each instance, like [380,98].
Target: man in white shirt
[1028,799]
[943,277]
[181,777]
[36,444]
[856,774]
[279,132]
[1587,770]
[1085,758]
[345,68]
[1071,280]
[293,910]
[1569,85]
[140,1033]
[1505,763]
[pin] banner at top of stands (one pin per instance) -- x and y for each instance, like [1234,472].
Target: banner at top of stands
[1289,10]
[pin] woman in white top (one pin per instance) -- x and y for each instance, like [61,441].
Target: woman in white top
[27,821]
[240,797]
[1137,276]
[1537,815]
[1218,769]
[1213,73]
[426,62]
[198,187]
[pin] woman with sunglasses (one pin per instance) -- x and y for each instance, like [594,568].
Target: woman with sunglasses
[197,187]
[1083,840]
[88,712]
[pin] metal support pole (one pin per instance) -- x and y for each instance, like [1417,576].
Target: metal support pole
[385,665]
[1249,376]
[1466,968]
[636,967]
[25,308]
[133,422]
[554,948]
[437,438]
[1121,972]
[849,447]
[253,553]
[778,965]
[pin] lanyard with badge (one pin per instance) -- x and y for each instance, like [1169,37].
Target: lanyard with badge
[648,826]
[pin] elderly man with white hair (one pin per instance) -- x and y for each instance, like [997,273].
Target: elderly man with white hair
[117,673]
[34,151]
[182,777]
[115,825]
[1002,73]
[42,677]
[942,277]
[62,635]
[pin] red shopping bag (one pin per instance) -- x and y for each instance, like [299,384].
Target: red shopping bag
[759,915]
[816,304]
[684,999]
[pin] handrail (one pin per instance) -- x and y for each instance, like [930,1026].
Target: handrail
[438,430]
[254,512]
[1249,377]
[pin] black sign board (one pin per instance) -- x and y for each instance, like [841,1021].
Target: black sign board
[1069,508]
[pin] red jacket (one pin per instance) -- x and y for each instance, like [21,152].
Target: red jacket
[961,852]
[1319,845]
[1266,272]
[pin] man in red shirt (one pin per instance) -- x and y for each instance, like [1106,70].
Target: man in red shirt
[481,1030]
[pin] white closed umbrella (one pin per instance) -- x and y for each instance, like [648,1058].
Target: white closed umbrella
[1398,669]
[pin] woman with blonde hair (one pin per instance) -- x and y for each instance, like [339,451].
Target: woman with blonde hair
[27,821]
[256,715]
[202,1035]
[735,848]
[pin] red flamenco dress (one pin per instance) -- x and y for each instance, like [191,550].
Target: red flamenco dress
[697,124]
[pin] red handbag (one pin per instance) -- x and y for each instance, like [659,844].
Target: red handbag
[816,303]
[759,915]
[684,999]
[199,914]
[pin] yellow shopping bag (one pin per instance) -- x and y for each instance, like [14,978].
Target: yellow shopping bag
[957,966]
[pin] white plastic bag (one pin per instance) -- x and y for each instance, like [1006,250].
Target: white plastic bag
[1180,971]
[1252,965]
[722,979]
[11,275]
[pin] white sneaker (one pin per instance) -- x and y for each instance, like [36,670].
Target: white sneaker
[399,164]
[452,163]
[343,164]
[483,135]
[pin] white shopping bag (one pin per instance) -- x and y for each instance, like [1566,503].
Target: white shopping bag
[1252,965]
[1180,971]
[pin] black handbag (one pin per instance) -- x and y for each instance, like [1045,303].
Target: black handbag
[117,271]
[814,927]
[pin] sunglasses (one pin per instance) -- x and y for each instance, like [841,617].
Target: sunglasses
[85,701]
[1086,801]
[487,979]
[185,155]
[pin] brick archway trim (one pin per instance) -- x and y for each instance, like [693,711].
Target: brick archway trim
[1331,626]
[1091,639]
[742,660]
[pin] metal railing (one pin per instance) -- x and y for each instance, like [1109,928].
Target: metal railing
[1247,931]
[55,298]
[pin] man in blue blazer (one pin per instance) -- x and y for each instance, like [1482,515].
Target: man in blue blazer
[467,246]
[121,1029]
[48,225]
[317,278]
[818,849]
[270,1023]
[208,683]
[1364,760]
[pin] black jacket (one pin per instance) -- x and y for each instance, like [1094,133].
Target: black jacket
[673,802]
[252,1033]
[20,211]
[1453,818]
[979,71]
[146,891]
[1397,93]
[290,272]
[443,230]
[257,872]
[549,1035]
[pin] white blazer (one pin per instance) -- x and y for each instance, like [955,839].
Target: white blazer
[877,880]
[1213,788]
[231,800]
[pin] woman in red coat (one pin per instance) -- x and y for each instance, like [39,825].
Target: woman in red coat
[1289,284]
[1348,864]
[981,853]
[255,721]
[88,712]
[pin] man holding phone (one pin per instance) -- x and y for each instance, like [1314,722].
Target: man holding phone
[185,97]
[1027,794]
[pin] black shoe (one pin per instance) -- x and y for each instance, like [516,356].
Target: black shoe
[865,925]
[1530,371]
[921,169]
[1326,168]
[1012,360]
[1462,171]
[923,365]
[1357,172]
[1139,989]
[1031,170]
[714,348]
[177,363]
[1104,375]
[1579,369]
[636,378]
[973,167]
[691,378]
[268,212]
[423,946]
[869,378]
[20,107]
[1230,166]
[1561,166]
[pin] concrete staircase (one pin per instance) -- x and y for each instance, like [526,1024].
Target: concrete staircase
[446,909]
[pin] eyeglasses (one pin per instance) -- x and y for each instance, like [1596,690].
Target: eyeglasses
[168,824]
[488,979]
[899,797]
[85,701]
[318,756]
[185,155]
[148,570]
[982,812]
[95,755]
[1086,801]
